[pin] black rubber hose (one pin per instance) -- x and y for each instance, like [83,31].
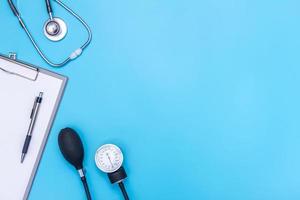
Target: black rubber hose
[122,187]
[86,188]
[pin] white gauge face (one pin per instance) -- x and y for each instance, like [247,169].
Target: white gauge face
[109,158]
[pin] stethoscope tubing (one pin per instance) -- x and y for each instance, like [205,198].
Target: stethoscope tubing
[90,35]
[74,54]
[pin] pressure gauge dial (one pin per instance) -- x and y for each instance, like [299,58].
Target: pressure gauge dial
[109,158]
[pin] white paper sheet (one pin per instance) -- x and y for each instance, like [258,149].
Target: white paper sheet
[17,96]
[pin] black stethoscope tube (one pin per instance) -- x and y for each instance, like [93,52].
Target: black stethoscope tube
[49,7]
[16,12]
[13,8]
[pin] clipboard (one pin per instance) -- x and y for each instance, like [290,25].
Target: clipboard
[20,83]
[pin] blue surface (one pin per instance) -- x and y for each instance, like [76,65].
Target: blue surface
[202,96]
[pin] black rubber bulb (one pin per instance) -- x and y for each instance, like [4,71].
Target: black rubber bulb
[71,147]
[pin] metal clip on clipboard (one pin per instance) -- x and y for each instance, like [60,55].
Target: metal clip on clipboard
[26,71]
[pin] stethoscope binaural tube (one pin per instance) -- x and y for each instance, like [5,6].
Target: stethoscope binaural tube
[75,54]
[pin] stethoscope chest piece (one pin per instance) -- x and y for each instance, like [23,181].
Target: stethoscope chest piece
[55,29]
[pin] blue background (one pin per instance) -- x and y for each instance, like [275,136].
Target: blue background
[202,96]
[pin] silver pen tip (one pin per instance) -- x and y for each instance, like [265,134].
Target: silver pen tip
[22,157]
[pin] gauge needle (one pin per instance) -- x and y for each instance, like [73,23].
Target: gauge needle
[109,160]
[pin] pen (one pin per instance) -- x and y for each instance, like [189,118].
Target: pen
[33,116]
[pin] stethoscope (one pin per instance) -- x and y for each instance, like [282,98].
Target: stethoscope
[55,29]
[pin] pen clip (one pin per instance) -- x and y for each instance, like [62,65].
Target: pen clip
[34,107]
